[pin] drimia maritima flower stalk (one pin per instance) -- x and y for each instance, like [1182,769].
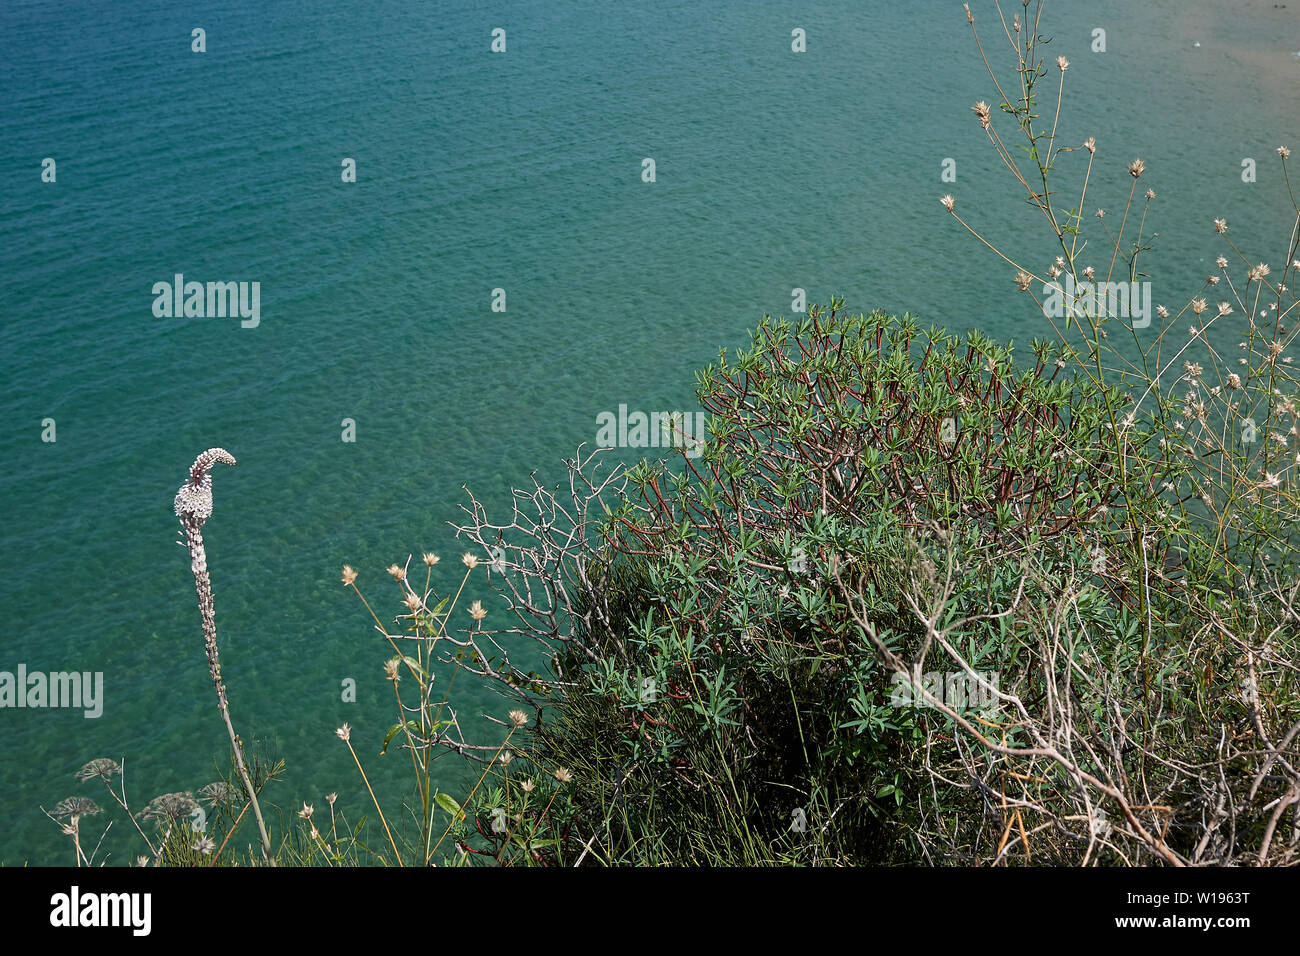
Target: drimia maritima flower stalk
[194,507]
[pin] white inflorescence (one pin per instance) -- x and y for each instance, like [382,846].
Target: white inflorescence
[194,499]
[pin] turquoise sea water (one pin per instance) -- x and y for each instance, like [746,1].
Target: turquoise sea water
[476,171]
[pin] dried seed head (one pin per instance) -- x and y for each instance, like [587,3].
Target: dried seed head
[102,768]
[214,793]
[348,575]
[75,807]
[1137,168]
[948,202]
[170,806]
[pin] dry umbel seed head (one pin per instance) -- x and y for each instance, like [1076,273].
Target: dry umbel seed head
[215,793]
[102,768]
[75,807]
[170,806]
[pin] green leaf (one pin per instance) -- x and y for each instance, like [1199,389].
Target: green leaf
[388,738]
[450,805]
[393,731]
